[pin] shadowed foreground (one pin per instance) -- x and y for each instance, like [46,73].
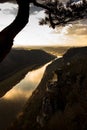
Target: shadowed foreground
[61,103]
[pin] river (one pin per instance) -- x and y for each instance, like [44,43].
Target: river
[14,100]
[12,103]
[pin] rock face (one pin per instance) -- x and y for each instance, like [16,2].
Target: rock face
[59,104]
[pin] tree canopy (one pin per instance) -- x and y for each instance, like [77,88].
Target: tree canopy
[57,14]
[61,13]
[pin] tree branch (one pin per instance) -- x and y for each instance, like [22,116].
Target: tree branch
[60,14]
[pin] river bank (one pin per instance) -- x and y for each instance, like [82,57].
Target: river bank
[18,59]
[17,64]
[13,102]
[11,81]
[60,104]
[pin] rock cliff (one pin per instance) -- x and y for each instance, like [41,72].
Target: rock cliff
[60,100]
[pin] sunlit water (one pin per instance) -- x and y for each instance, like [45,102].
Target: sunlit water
[26,86]
[13,101]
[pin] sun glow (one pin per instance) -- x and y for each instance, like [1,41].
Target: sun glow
[34,34]
[25,88]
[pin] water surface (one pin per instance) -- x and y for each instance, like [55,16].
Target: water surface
[12,103]
[14,100]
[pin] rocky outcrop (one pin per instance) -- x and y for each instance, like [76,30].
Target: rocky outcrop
[59,104]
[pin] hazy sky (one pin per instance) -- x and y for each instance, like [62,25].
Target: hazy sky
[33,34]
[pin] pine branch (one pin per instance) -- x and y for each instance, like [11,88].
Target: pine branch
[58,14]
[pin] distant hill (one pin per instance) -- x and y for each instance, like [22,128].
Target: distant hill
[59,104]
[18,59]
[55,50]
[74,53]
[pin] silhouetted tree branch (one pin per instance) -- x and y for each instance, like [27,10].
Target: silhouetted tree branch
[57,14]
[8,34]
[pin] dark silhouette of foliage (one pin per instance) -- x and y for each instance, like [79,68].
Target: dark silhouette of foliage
[57,14]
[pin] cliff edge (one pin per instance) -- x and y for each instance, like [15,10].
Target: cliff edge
[60,100]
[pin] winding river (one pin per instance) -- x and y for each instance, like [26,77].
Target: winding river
[14,100]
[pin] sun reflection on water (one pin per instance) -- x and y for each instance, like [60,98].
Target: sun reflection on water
[26,86]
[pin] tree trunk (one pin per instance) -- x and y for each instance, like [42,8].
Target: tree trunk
[8,34]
